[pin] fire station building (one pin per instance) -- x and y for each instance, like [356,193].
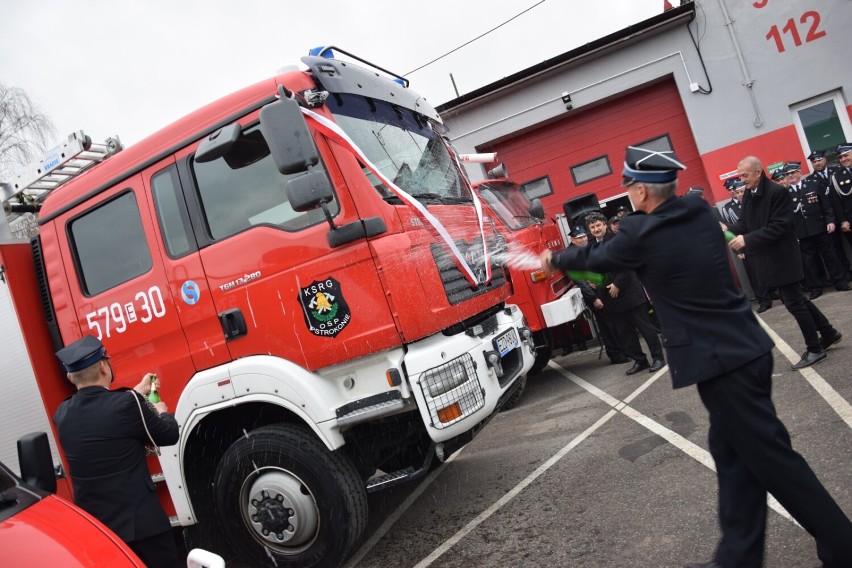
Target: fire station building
[713,80]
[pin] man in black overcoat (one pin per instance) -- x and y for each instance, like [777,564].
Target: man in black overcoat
[625,300]
[103,436]
[713,340]
[768,232]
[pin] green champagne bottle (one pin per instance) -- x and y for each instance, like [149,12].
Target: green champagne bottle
[154,396]
[595,278]
[729,236]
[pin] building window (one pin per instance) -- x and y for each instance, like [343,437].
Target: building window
[107,260]
[659,144]
[537,188]
[822,123]
[593,169]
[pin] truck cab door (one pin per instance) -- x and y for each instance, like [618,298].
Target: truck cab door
[119,289]
[279,287]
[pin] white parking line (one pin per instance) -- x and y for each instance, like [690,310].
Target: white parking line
[694,451]
[837,403]
[479,519]
[702,456]
[691,449]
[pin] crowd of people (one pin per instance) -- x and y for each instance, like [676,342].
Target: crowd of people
[714,341]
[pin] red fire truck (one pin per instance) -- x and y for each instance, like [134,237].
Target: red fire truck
[305,267]
[552,306]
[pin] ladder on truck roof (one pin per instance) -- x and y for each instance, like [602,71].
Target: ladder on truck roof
[58,165]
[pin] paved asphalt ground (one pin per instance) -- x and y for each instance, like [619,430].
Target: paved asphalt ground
[596,469]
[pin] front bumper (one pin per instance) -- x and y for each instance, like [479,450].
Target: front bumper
[475,369]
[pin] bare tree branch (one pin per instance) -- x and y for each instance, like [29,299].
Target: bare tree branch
[25,132]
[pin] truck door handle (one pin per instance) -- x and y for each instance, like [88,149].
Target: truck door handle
[233,324]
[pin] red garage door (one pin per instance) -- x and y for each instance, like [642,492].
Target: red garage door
[584,153]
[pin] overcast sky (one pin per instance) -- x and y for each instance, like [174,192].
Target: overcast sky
[130,67]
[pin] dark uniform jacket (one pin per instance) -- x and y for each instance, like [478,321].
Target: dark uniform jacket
[103,438]
[680,256]
[841,182]
[630,292]
[812,209]
[770,235]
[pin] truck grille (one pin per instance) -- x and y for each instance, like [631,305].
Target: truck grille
[456,286]
[452,391]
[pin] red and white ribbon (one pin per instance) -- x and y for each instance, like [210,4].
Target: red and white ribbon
[334,132]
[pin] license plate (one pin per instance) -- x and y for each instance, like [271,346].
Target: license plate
[506,341]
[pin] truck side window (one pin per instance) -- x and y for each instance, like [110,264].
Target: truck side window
[171,212]
[109,244]
[244,189]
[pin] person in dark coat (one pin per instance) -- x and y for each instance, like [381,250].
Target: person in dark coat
[592,296]
[821,176]
[103,436]
[767,231]
[731,213]
[713,340]
[840,190]
[814,218]
[625,300]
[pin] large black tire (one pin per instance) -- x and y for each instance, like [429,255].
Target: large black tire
[282,481]
[516,396]
[543,352]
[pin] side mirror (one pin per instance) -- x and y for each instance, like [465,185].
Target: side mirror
[218,143]
[309,191]
[536,209]
[288,137]
[36,462]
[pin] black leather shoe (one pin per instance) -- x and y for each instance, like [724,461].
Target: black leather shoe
[763,307]
[809,358]
[842,287]
[702,565]
[637,366]
[815,294]
[827,342]
[656,365]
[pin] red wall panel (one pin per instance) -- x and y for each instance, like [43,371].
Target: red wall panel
[606,129]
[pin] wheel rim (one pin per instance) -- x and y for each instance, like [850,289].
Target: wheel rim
[280,510]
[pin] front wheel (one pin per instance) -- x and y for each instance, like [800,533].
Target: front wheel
[283,499]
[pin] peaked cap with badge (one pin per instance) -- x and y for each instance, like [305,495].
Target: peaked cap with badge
[650,166]
[81,354]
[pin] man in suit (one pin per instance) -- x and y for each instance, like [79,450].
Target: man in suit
[103,436]
[625,300]
[814,220]
[713,340]
[592,296]
[732,212]
[767,231]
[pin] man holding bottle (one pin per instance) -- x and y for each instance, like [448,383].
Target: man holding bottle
[103,434]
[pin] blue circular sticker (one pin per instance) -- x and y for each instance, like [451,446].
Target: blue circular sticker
[190,292]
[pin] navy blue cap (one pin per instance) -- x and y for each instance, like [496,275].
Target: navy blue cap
[651,166]
[614,219]
[695,191]
[578,231]
[816,155]
[780,172]
[735,184]
[844,148]
[82,353]
[792,167]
